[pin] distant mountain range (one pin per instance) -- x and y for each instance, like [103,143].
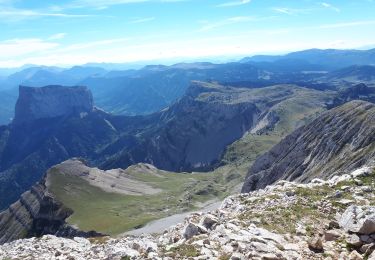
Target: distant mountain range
[152,88]
[330,59]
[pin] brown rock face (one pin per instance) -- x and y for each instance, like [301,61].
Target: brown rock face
[50,102]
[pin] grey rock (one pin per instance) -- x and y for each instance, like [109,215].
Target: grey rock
[332,235]
[367,249]
[372,256]
[345,202]
[345,188]
[333,224]
[354,255]
[366,238]
[316,244]
[237,256]
[358,219]
[209,220]
[366,189]
[270,256]
[192,230]
[354,240]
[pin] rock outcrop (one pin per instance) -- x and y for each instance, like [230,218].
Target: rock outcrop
[338,141]
[50,102]
[359,220]
[37,213]
[356,92]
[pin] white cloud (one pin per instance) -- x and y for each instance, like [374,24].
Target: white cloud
[13,14]
[20,47]
[290,11]
[346,24]
[103,4]
[329,6]
[57,36]
[234,3]
[142,20]
[141,49]
[232,20]
[90,45]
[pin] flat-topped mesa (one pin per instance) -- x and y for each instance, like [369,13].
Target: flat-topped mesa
[51,101]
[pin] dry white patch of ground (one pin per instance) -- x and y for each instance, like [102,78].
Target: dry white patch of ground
[115,181]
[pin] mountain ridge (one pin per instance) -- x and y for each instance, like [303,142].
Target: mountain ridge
[328,58]
[341,138]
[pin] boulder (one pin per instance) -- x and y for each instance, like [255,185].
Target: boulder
[354,240]
[367,249]
[354,255]
[192,230]
[208,221]
[372,256]
[332,235]
[366,239]
[237,256]
[270,256]
[358,219]
[316,244]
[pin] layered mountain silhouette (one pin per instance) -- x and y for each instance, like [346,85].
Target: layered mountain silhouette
[330,59]
[152,88]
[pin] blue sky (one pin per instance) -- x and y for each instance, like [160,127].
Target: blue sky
[67,32]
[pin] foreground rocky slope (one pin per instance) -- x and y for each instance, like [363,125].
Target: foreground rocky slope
[340,139]
[332,219]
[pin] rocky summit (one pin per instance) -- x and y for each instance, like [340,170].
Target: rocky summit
[339,140]
[50,102]
[331,219]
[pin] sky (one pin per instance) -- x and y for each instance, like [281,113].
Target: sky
[72,32]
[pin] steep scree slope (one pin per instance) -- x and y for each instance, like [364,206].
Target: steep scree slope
[341,139]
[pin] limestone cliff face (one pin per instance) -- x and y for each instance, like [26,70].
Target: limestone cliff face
[194,132]
[336,142]
[50,102]
[37,213]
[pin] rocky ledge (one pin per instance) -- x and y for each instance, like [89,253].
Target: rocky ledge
[332,219]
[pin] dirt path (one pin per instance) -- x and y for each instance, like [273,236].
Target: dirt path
[158,226]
